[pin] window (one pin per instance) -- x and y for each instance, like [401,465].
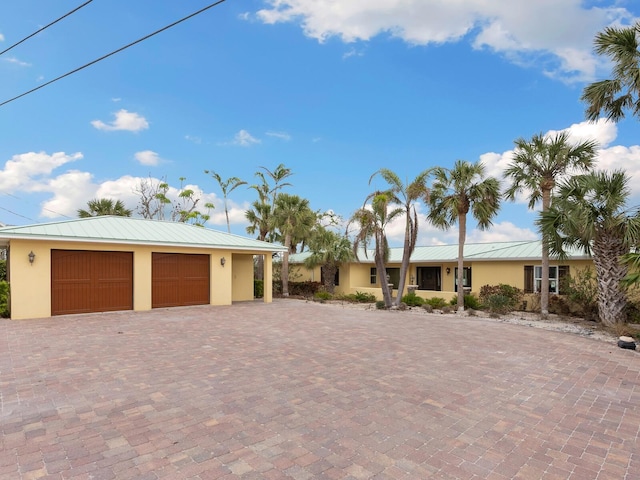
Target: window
[466,278]
[374,276]
[394,276]
[533,278]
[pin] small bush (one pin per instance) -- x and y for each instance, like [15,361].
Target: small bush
[500,298]
[498,303]
[380,305]
[412,300]
[304,289]
[446,309]
[3,270]
[4,299]
[258,288]
[322,296]
[436,302]
[428,308]
[363,297]
[470,301]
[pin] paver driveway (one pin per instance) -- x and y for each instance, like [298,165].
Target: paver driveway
[304,391]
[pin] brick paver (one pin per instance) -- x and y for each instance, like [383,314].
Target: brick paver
[306,391]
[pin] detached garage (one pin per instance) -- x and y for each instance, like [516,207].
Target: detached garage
[107,263]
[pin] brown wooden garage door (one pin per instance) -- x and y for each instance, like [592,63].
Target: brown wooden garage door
[86,281]
[179,280]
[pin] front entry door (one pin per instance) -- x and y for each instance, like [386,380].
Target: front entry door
[429,278]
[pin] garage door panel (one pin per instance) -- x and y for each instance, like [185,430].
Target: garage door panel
[85,281]
[179,279]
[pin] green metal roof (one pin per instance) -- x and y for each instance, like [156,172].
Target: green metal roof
[127,230]
[517,250]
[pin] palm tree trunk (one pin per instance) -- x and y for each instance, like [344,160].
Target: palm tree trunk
[406,256]
[612,298]
[544,284]
[462,236]
[285,266]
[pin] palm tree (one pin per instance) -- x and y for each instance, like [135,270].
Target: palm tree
[407,196]
[372,223]
[589,213]
[104,206]
[456,192]
[293,218]
[328,250]
[534,169]
[227,186]
[613,96]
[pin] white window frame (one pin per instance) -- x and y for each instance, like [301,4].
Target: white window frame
[554,281]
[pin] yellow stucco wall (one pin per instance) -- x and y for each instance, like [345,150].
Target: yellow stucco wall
[242,269]
[31,284]
[356,277]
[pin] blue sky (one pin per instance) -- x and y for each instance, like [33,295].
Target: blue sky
[333,89]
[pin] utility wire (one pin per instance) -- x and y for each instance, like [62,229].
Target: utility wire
[113,53]
[45,27]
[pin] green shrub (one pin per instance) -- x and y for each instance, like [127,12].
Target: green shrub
[436,302]
[380,305]
[4,299]
[258,288]
[3,270]
[322,296]
[498,303]
[304,289]
[500,298]
[412,300]
[363,297]
[470,301]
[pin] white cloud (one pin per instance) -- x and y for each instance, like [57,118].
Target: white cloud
[521,30]
[243,139]
[124,120]
[244,16]
[1,37]
[281,135]
[194,139]
[23,170]
[15,61]
[148,157]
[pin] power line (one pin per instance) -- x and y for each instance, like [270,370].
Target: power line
[32,203]
[113,53]
[45,27]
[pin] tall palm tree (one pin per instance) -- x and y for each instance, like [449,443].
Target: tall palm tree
[589,213]
[407,196]
[104,206]
[292,217]
[328,250]
[536,166]
[372,223]
[613,96]
[454,193]
[227,186]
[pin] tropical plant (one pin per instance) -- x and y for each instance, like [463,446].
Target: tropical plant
[589,212]
[153,198]
[371,224]
[454,193]
[227,186]
[292,217]
[261,210]
[536,166]
[406,196]
[632,260]
[328,250]
[621,45]
[104,206]
[500,298]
